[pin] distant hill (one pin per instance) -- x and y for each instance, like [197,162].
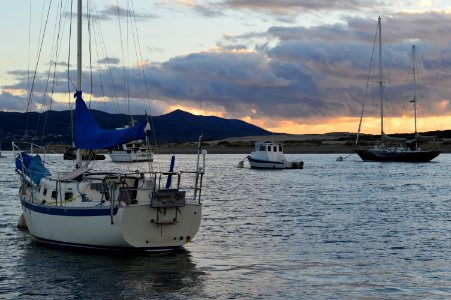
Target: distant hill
[177,126]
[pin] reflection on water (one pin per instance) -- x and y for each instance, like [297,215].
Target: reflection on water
[332,230]
[69,274]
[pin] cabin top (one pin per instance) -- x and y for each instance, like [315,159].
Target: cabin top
[268,147]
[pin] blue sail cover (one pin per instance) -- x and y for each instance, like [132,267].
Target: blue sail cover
[32,166]
[88,134]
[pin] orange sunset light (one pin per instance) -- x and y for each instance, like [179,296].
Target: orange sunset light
[346,124]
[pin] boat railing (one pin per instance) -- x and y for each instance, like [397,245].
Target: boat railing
[18,155]
[158,182]
[19,147]
[164,181]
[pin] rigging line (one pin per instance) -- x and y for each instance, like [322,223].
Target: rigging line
[148,90]
[110,72]
[68,75]
[29,48]
[128,64]
[99,70]
[57,53]
[36,67]
[366,91]
[53,54]
[122,54]
[88,12]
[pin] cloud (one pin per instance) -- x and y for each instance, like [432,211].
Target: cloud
[283,10]
[113,11]
[290,73]
[290,6]
[108,60]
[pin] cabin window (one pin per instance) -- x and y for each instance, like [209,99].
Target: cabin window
[44,192]
[280,148]
[262,148]
[269,148]
[275,148]
[68,195]
[54,194]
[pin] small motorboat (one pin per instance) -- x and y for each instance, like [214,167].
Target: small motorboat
[269,155]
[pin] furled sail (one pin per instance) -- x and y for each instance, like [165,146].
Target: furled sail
[89,135]
[387,138]
[419,137]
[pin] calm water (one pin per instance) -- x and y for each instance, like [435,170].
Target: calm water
[333,230]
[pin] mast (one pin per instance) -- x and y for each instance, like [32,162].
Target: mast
[79,67]
[381,88]
[79,49]
[414,100]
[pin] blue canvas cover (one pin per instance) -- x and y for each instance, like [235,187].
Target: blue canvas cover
[88,134]
[33,167]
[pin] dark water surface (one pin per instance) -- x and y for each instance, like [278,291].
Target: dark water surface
[335,230]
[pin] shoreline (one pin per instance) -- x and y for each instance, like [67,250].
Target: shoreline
[332,143]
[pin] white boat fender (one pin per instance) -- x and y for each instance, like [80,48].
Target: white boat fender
[22,224]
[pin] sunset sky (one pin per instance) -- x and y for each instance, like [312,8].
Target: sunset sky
[287,66]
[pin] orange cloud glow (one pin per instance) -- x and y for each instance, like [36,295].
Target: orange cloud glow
[345,124]
[16,92]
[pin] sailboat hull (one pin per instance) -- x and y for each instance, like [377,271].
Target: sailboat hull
[123,229]
[397,156]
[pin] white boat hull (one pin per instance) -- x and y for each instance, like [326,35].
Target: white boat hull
[260,164]
[123,156]
[130,228]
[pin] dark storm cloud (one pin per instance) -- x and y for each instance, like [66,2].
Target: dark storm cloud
[284,6]
[293,72]
[282,10]
[10,102]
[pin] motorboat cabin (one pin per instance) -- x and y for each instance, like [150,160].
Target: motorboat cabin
[269,155]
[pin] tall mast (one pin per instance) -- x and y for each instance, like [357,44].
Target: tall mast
[414,100]
[79,49]
[79,158]
[381,89]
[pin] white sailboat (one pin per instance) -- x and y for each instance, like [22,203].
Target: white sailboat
[394,148]
[133,151]
[143,210]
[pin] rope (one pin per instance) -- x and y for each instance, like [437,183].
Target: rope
[140,63]
[30,97]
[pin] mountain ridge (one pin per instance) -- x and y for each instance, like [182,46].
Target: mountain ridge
[174,127]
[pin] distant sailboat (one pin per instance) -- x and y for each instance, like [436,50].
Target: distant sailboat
[394,148]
